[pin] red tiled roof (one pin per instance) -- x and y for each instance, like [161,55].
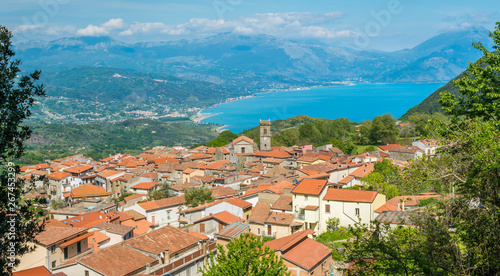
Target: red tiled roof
[238,202]
[88,190]
[300,254]
[145,185]
[335,194]
[58,175]
[163,203]
[78,169]
[243,138]
[224,217]
[140,226]
[284,202]
[223,192]
[310,187]
[363,170]
[53,234]
[168,237]
[35,271]
[108,173]
[389,146]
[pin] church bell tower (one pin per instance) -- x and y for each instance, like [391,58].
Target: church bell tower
[265,135]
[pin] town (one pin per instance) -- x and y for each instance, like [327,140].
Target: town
[163,212]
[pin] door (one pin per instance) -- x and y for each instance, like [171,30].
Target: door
[269,230]
[153,220]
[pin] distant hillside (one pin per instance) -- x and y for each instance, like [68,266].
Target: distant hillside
[86,93]
[98,140]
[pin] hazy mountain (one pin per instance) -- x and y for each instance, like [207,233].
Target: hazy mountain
[262,61]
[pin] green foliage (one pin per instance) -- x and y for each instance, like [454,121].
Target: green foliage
[223,139]
[457,236]
[196,196]
[163,191]
[329,237]
[246,256]
[422,122]
[479,88]
[19,217]
[385,178]
[333,223]
[99,140]
[122,197]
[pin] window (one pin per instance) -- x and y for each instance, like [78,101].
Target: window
[54,264]
[53,249]
[168,214]
[242,150]
[202,227]
[327,208]
[86,273]
[78,247]
[357,211]
[65,253]
[306,197]
[258,231]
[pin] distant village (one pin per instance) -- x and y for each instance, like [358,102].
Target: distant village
[285,193]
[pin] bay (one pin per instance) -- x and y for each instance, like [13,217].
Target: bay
[357,103]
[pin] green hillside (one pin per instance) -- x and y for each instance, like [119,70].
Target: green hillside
[430,105]
[98,140]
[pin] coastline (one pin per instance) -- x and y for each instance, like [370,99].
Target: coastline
[200,116]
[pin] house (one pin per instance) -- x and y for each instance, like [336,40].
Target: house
[161,212]
[59,184]
[264,222]
[55,245]
[87,191]
[303,255]
[350,206]
[103,178]
[307,196]
[231,232]
[224,192]
[165,251]
[144,187]
[214,223]
[243,144]
[235,206]
[429,146]
[116,232]
[406,153]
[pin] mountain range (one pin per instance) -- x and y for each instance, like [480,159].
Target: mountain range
[205,71]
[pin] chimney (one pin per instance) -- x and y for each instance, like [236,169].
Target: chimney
[399,209]
[403,206]
[148,268]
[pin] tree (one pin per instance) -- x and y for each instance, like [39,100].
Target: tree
[384,129]
[333,223]
[223,139]
[480,87]
[17,94]
[163,191]
[458,236]
[385,178]
[198,195]
[246,256]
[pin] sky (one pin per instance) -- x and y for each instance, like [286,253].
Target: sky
[385,25]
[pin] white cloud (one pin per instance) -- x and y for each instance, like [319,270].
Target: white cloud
[104,29]
[289,25]
[92,30]
[285,25]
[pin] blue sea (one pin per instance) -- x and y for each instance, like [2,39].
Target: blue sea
[358,102]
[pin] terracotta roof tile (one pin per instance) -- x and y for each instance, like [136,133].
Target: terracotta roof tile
[284,202]
[55,234]
[223,192]
[88,190]
[168,237]
[300,255]
[388,147]
[224,217]
[140,226]
[243,138]
[58,175]
[310,187]
[363,170]
[238,202]
[163,203]
[260,212]
[35,271]
[145,185]
[78,169]
[335,194]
